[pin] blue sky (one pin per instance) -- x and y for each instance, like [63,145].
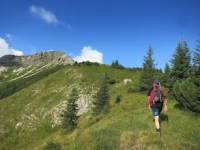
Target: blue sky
[99,30]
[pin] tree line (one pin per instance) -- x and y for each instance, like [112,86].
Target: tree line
[181,77]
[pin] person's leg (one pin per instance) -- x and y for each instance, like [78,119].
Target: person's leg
[156,113]
[160,110]
[157,124]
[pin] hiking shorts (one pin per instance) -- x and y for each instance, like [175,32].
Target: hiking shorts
[156,110]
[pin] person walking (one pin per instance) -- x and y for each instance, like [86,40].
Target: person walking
[156,100]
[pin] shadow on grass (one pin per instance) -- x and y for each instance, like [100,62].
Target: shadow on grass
[181,107]
[164,118]
[178,106]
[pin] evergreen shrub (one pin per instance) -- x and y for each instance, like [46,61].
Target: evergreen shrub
[118,99]
[187,94]
[52,146]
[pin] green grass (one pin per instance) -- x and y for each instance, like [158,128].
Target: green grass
[128,126]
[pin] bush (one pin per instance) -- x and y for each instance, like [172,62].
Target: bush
[187,94]
[112,81]
[86,63]
[118,99]
[52,146]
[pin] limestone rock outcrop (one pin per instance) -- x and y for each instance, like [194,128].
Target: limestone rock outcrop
[58,57]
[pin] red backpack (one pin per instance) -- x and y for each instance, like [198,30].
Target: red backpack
[157,96]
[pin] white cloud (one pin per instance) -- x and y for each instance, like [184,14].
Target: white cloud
[5,49]
[89,55]
[46,15]
[9,36]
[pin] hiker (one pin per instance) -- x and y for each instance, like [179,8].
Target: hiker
[156,99]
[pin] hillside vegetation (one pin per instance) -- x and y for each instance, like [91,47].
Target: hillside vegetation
[31,117]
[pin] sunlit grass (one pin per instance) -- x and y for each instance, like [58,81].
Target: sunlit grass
[128,126]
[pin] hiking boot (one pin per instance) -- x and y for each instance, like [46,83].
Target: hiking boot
[159,134]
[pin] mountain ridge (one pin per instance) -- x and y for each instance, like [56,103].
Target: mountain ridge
[58,57]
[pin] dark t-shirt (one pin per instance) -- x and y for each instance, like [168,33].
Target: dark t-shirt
[157,104]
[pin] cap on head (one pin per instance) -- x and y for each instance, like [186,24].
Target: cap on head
[156,82]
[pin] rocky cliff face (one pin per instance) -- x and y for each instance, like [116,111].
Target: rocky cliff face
[56,57]
[8,60]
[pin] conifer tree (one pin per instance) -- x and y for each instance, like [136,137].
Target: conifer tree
[113,64]
[69,115]
[196,58]
[102,99]
[180,64]
[117,65]
[186,89]
[166,75]
[148,71]
[196,66]
[187,94]
[181,61]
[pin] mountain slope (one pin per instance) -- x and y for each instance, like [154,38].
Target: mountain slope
[30,117]
[18,72]
[28,113]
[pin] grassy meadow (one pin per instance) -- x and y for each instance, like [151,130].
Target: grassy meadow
[30,117]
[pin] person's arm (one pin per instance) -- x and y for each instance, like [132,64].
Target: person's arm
[148,94]
[148,103]
[165,105]
[165,100]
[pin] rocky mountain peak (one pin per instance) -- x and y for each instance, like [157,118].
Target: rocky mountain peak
[58,57]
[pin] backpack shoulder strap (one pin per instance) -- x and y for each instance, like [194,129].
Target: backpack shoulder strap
[152,95]
[163,92]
